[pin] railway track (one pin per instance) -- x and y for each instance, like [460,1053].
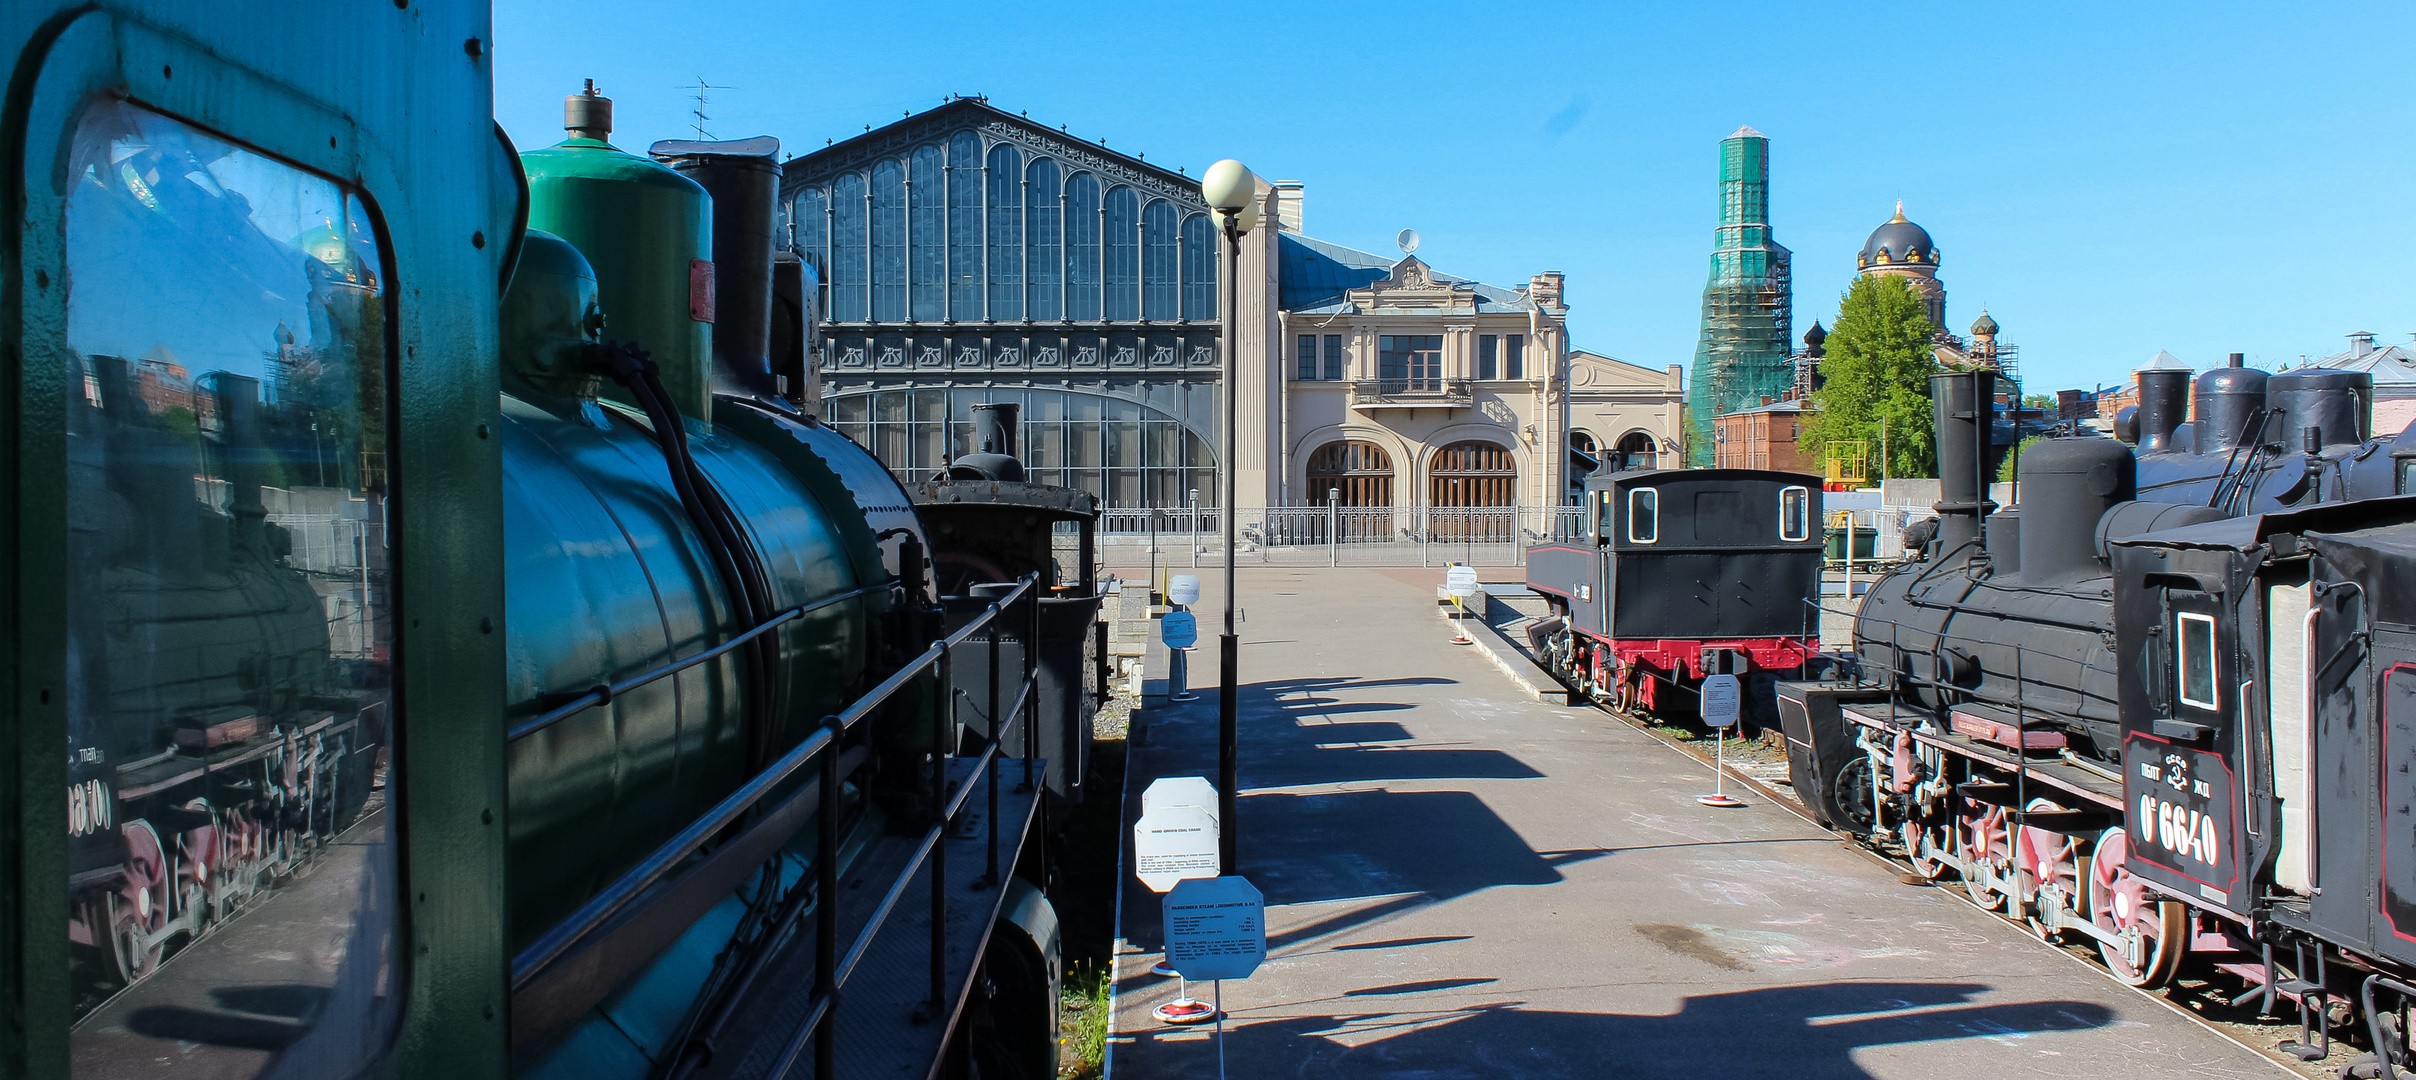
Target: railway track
[2194,995]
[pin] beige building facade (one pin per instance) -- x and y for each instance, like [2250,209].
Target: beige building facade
[1376,380]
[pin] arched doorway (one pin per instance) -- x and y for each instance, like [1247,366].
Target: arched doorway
[1637,450]
[1470,488]
[1357,479]
[1584,457]
[1352,474]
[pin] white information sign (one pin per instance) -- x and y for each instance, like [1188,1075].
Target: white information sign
[1179,791]
[1216,928]
[1723,700]
[1460,581]
[1174,843]
[1183,589]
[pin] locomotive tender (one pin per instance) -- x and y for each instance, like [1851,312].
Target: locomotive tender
[470,656]
[1683,573]
[2162,727]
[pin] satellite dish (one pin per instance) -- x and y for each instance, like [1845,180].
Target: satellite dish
[1408,241]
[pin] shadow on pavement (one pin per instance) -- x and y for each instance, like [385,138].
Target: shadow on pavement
[1808,1032]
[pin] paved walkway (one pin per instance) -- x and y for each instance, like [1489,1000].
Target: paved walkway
[1464,883]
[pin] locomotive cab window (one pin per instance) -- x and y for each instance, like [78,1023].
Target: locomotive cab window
[1603,505]
[228,630]
[1643,515]
[1794,513]
[2194,662]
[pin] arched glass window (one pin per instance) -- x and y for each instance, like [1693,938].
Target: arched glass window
[927,266]
[1199,268]
[888,241]
[964,227]
[1473,474]
[1043,244]
[848,275]
[1006,232]
[1121,225]
[809,214]
[1161,290]
[1082,247]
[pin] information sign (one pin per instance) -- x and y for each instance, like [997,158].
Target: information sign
[1460,581]
[1216,928]
[1183,589]
[1179,791]
[1174,843]
[1723,700]
[1180,629]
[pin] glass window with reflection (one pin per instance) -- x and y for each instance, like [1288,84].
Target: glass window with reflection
[1006,233]
[851,294]
[1160,300]
[1794,513]
[1643,515]
[1121,225]
[1082,247]
[1199,268]
[1042,224]
[927,234]
[964,227]
[888,241]
[232,907]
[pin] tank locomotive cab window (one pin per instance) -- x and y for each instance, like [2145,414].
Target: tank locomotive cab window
[229,627]
[1794,513]
[2195,659]
[1643,515]
[1603,505]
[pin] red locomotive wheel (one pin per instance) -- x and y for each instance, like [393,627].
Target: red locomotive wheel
[2047,858]
[2118,900]
[1981,832]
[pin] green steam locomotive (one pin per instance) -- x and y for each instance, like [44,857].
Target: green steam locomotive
[471,656]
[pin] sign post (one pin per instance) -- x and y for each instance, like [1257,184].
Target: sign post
[1216,929]
[1460,582]
[1176,840]
[1723,702]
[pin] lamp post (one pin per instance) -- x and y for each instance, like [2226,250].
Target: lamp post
[1232,192]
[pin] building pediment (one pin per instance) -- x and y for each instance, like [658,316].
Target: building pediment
[1412,285]
[1593,371]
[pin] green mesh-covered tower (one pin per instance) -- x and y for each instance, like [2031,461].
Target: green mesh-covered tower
[1743,353]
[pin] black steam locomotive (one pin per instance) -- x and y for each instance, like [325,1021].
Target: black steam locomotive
[2162,726]
[1682,574]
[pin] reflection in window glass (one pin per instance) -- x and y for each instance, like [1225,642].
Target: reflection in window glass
[1042,228]
[1159,270]
[1794,513]
[1199,268]
[1643,515]
[888,241]
[927,240]
[964,227]
[2196,642]
[1006,233]
[232,903]
[1121,225]
[850,291]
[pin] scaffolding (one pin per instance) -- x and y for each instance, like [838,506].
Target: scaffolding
[1744,354]
[1848,465]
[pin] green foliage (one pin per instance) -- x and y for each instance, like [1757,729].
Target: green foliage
[1085,1004]
[2039,401]
[1877,373]
[2005,471]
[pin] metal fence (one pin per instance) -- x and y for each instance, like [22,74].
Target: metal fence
[1334,535]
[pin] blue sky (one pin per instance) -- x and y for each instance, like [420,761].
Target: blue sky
[2109,179]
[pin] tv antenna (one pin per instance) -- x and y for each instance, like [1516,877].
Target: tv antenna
[702,89]
[1408,241]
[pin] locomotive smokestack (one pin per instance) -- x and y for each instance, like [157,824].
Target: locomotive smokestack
[1964,407]
[993,456]
[2163,405]
[743,177]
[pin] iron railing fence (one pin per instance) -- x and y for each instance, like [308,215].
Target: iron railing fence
[1333,535]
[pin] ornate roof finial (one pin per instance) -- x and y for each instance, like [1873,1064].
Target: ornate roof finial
[1899,211]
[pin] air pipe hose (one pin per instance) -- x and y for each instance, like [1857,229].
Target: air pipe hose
[725,540]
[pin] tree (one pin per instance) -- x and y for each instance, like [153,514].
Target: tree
[1876,375]
[2012,463]
[2039,401]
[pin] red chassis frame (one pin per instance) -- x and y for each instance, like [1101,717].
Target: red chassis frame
[1672,659]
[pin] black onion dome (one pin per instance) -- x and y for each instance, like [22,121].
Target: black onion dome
[1900,241]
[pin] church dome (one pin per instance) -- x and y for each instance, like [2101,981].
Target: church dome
[1897,242]
[1985,327]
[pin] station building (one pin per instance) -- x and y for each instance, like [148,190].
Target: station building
[968,255]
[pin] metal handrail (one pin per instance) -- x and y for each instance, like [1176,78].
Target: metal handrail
[603,693]
[540,955]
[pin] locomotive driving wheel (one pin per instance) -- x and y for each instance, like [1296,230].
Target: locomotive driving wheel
[2119,903]
[1928,844]
[2050,867]
[1985,846]
[140,909]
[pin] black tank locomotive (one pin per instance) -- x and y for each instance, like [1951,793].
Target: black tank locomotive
[2160,726]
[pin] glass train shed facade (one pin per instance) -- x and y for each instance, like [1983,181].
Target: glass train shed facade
[967,254]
